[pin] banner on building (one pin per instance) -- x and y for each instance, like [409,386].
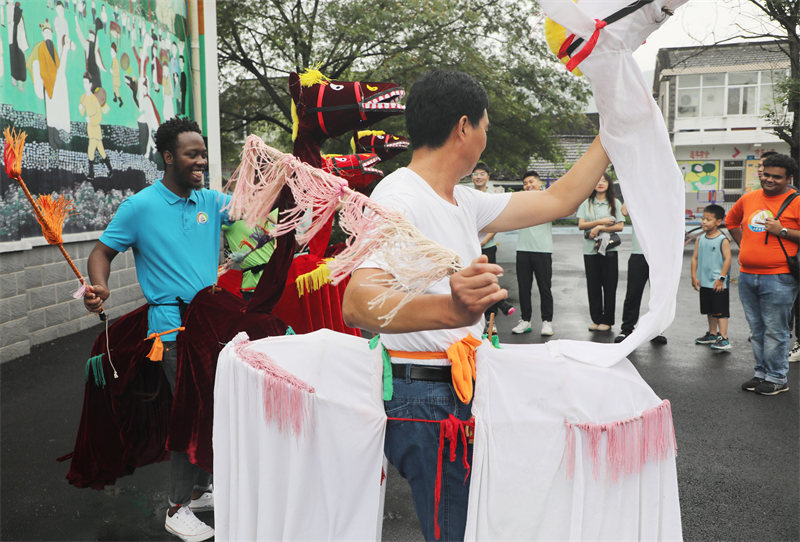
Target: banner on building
[700,174]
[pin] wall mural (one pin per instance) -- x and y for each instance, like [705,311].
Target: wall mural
[89,81]
[700,174]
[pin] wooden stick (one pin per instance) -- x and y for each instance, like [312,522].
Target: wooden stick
[491,326]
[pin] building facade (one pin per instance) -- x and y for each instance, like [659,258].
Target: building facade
[719,104]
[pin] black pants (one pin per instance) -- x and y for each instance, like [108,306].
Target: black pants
[638,275]
[491,254]
[539,265]
[602,273]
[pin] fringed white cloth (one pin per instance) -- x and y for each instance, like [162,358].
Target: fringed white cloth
[321,484]
[287,400]
[629,444]
[414,261]
[608,473]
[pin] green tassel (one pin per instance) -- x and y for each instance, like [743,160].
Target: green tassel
[373,342]
[388,386]
[290,331]
[95,365]
[496,341]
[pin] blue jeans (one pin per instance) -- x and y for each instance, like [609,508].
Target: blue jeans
[767,302]
[412,447]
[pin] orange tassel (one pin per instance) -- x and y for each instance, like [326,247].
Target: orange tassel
[54,211]
[157,350]
[12,153]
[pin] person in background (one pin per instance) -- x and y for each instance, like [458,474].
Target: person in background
[480,181]
[638,275]
[601,212]
[711,262]
[767,288]
[535,259]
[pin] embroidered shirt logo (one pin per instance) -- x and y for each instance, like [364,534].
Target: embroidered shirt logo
[756,222]
[202,217]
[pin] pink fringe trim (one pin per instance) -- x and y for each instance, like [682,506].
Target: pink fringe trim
[629,443]
[288,401]
[414,261]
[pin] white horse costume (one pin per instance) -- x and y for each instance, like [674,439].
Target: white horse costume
[589,456]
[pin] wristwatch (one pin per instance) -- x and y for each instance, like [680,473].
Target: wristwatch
[784,232]
[722,278]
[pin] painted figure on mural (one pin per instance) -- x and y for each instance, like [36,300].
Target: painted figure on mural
[93,110]
[94,62]
[116,77]
[48,76]
[181,65]
[61,28]
[168,110]
[17,45]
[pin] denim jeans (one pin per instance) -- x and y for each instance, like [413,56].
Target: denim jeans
[412,447]
[184,476]
[767,302]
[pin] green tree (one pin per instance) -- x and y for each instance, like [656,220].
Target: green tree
[531,95]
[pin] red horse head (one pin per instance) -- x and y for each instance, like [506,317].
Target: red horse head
[356,169]
[386,146]
[322,108]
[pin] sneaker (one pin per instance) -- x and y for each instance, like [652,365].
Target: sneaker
[619,338]
[770,388]
[507,308]
[603,327]
[593,326]
[708,338]
[794,354]
[547,328]
[523,326]
[721,344]
[204,504]
[659,340]
[185,525]
[751,384]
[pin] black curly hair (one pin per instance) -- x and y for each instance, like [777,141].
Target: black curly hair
[167,134]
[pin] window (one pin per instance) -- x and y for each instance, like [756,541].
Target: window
[733,175]
[721,94]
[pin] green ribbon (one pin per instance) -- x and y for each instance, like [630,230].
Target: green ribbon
[290,331]
[94,365]
[495,340]
[388,386]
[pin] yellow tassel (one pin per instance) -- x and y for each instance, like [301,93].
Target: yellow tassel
[295,121]
[362,133]
[555,34]
[314,280]
[312,76]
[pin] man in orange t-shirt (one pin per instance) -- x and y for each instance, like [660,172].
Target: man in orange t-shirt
[766,287]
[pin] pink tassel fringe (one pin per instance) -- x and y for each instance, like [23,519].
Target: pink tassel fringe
[629,443]
[415,262]
[80,292]
[288,400]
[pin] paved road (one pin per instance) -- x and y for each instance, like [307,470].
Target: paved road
[738,461]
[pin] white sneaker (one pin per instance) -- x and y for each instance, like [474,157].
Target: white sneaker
[204,504]
[185,525]
[523,326]
[794,353]
[547,328]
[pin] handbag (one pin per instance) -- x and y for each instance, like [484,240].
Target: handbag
[792,262]
[614,239]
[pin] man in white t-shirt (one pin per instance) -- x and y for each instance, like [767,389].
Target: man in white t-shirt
[447,121]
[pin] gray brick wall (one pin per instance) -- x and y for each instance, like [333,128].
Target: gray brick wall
[36,304]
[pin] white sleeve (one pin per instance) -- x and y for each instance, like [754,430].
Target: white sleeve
[486,206]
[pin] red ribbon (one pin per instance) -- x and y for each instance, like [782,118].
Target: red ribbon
[449,429]
[578,57]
